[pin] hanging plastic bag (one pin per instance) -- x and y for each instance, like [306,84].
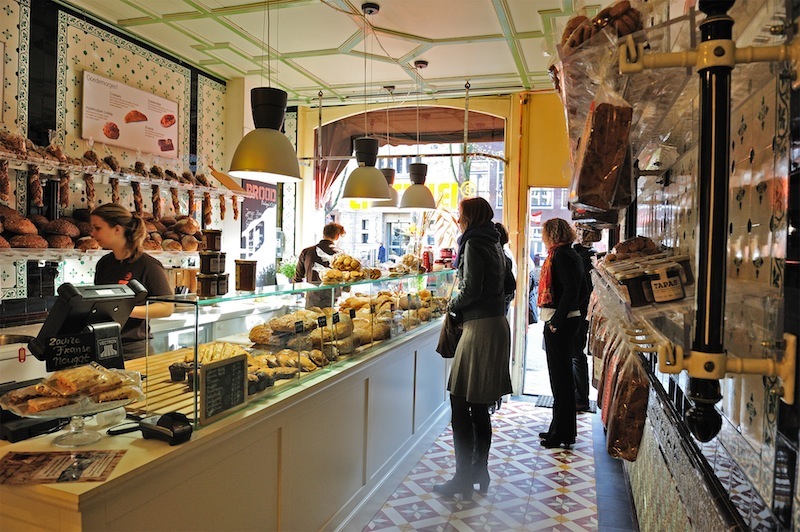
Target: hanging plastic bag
[628,410]
[601,151]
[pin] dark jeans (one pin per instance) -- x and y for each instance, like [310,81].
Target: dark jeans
[580,367]
[558,347]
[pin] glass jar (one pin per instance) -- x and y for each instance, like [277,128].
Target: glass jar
[633,283]
[207,284]
[222,284]
[212,261]
[212,239]
[245,275]
[686,264]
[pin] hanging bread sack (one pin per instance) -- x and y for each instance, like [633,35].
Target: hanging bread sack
[602,149]
[628,410]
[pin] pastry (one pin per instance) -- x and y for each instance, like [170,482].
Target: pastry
[235,204]
[73,380]
[112,162]
[192,205]
[4,243]
[138,201]
[168,120]
[61,227]
[222,207]
[171,245]
[135,116]
[111,130]
[201,179]
[260,334]
[63,188]
[40,404]
[207,209]
[156,199]
[90,193]
[5,182]
[60,242]
[118,394]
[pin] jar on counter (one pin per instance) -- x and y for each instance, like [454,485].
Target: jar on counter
[222,284]
[665,282]
[212,239]
[634,285]
[212,261]
[207,284]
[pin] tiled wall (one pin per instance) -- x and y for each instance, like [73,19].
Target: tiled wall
[667,212]
[82,45]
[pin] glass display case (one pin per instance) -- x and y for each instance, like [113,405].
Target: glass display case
[216,355]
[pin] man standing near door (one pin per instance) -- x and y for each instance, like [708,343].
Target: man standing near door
[580,367]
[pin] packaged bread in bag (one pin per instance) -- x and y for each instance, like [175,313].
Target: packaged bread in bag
[628,410]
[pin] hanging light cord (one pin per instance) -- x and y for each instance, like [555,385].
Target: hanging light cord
[466,124]
[418,89]
[365,74]
[269,70]
[319,131]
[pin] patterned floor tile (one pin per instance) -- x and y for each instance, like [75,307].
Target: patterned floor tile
[532,488]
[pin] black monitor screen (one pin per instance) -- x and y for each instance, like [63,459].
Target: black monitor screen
[79,306]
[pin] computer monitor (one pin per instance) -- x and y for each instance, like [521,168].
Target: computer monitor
[84,325]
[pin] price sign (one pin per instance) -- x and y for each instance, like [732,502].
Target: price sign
[352,313]
[335,318]
[223,386]
[298,327]
[322,321]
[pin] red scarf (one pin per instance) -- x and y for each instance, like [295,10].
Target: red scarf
[546,277]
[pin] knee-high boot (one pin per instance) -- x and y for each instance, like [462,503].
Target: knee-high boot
[480,460]
[464,444]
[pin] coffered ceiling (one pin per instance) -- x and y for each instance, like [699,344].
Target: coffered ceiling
[307,46]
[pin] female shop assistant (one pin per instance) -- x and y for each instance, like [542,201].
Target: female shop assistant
[480,373]
[115,228]
[561,289]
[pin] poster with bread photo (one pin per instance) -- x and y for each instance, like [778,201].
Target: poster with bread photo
[120,115]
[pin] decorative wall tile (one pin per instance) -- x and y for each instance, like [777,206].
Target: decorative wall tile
[15,35]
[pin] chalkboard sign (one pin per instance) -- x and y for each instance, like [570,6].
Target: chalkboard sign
[223,386]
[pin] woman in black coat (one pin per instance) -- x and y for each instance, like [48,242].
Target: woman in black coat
[561,289]
[480,373]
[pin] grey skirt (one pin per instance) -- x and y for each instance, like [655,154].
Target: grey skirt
[481,367]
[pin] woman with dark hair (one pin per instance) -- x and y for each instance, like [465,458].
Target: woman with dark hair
[480,376]
[562,287]
[116,228]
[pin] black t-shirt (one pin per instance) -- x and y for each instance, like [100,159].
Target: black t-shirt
[148,271]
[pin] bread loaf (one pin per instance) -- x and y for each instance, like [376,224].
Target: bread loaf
[28,241]
[62,227]
[86,243]
[171,245]
[35,190]
[189,243]
[4,243]
[5,181]
[60,242]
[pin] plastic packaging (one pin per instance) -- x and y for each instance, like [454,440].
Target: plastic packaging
[628,410]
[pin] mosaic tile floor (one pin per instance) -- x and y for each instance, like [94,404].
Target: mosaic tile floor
[532,488]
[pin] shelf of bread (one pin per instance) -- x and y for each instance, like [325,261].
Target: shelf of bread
[57,255]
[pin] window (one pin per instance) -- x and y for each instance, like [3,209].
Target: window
[364,224]
[542,198]
[364,238]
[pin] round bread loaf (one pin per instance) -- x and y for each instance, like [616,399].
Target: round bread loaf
[189,243]
[168,221]
[28,241]
[160,227]
[171,245]
[172,235]
[151,245]
[20,226]
[4,243]
[39,220]
[60,242]
[150,227]
[155,237]
[85,228]
[62,227]
[7,213]
[86,243]
[187,226]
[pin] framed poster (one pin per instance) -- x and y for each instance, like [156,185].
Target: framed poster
[119,115]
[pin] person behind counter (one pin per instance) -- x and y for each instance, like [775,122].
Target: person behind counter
[562,287]
[313,260]
[480,376]
[117,229]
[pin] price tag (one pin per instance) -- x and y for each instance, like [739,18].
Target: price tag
[352,313]
[298,327]
[335,318]
[322,321]
[372,308]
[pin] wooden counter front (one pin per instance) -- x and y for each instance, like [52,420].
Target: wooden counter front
[302,459]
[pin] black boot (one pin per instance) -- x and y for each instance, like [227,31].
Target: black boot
[480,460]
[463,443]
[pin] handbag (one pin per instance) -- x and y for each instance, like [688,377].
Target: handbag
[449,336]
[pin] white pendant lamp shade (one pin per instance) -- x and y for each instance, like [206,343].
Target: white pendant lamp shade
[418,196]
[266,154]
[366,182]
[394,200]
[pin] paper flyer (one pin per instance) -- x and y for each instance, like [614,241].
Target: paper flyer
[19,468]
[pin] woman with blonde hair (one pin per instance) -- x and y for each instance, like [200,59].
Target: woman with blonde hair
[479,377]
[117,229]
[562,287]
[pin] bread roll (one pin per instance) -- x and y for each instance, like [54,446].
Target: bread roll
[60,242]
[62,227]
[171,245]
[20,226]
[4,243]
[189,243]
[86,243]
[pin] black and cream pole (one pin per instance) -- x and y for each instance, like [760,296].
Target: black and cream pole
[707,361]
[715,63]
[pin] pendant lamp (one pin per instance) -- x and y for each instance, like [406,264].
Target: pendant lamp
[394,197]
[266,154]
[366,182]
[418,196]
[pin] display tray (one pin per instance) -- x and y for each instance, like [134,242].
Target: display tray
[163,395]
